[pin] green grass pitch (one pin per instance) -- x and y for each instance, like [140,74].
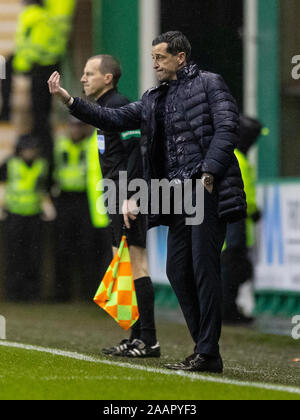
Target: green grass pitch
[82,373]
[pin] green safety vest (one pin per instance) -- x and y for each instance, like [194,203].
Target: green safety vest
[70,165]
[98,210]
[64,8]
[62,13]
[77,169]
[249,178]
[25,188]
[40,38]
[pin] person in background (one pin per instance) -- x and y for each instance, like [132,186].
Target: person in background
[61,12]
[237,267]
[42,36]
[81,240]
[26,203]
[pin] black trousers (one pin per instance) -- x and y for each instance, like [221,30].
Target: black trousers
[194,271]
[82,253]
[42,106]
[236,268]
[23,244]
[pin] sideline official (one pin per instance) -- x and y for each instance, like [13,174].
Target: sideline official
[120,151]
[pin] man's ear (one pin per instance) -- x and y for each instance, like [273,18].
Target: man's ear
[181,58]
[108,78]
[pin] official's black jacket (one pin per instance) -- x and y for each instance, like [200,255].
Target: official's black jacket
[118,151]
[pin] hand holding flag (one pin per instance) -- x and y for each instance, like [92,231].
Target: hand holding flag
[116,293]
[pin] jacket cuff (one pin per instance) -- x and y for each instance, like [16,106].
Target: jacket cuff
[207,168]
[73,106]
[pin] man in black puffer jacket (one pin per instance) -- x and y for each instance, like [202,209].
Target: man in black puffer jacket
[190,128]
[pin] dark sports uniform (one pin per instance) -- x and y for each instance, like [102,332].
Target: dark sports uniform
[121,152]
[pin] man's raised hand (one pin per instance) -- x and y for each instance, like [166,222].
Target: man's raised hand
[56,90]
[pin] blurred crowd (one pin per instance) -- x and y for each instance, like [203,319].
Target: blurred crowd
[49,201]
[41,42]
[63,198]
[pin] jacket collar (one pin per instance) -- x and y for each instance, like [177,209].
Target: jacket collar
[188,72]
[104,98]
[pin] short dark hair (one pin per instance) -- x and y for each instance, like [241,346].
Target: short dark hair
[109,64]
[29,2]
[27,141]
[177,42]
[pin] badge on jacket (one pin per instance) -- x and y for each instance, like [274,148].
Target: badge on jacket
[101,142]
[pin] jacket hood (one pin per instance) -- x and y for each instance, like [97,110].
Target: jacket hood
[250,130]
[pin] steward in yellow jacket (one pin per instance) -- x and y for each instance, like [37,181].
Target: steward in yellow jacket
[26,179]
[42,38]
[43,33]
[41,41]
[236,265]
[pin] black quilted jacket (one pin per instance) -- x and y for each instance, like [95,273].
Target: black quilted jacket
[202,129]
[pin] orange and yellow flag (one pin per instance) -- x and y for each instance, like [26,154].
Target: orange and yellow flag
[116,293]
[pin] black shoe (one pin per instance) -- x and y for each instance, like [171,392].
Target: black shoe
[117,350]
[138,349]
[199,363]
[180,365]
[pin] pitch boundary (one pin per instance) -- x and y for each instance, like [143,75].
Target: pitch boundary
[191,376]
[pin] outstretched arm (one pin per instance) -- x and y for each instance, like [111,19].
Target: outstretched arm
[125,118]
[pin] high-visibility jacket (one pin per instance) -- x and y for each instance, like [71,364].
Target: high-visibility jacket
[62,12]
[77,169]
[70,171]
[98,211]
[249,178]
[25,189]
[40,39]
[60,7]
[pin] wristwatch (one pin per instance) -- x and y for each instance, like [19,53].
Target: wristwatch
[208,180]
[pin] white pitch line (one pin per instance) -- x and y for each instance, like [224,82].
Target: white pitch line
[191,376]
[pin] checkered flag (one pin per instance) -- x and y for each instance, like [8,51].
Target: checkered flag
[116,293]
